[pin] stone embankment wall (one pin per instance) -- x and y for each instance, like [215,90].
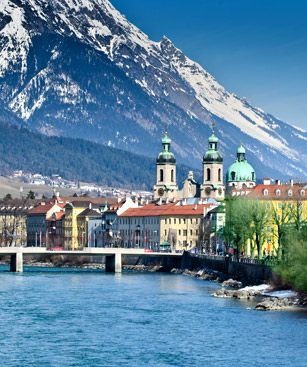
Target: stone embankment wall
[246,273]
[167,263]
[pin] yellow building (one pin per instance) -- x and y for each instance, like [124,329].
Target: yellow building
[13,221]
[75,233]
[172,226]
[286,206]
[71,235]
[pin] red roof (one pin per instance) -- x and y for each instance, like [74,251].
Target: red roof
[154,210]
[41,209]
[98,201]
[278,192]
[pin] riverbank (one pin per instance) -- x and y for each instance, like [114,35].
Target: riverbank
[267,295]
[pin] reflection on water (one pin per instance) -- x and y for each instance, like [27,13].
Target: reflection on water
[51,317]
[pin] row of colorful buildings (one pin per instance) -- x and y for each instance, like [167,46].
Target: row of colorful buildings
[173,219]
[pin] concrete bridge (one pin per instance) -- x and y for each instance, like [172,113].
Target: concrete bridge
[113,255]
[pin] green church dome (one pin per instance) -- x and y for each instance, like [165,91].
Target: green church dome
[213,139]
[212,154]
[240,170]
[166,156]
[241,150]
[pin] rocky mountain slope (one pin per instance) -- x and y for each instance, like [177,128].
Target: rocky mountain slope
[79,68]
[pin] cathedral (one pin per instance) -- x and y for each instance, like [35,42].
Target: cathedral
[239,175]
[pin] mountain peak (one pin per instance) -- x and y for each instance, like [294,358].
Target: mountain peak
[80,68]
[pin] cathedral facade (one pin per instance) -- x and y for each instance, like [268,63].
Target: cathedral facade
[239,175]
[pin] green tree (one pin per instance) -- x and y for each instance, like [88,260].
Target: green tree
[238,223]
[298,215]
[260,218]
[7,197]
[31,195]
[282,216]
[293,268]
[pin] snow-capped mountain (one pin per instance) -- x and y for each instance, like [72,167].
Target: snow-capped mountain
[79,68]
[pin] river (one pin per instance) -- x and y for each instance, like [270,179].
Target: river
[89,318]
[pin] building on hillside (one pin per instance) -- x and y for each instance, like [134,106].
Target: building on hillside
[37,222]
[240,175]
[13,221]
[177,226]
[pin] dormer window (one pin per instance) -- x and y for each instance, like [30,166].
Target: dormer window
[277,192]
[290,192]
[265,192]
[302,192]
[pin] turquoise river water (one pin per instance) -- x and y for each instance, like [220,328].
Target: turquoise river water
[84,318]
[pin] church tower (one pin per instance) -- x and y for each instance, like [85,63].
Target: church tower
[213,186]
[166,185]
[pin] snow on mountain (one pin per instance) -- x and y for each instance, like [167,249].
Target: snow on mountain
[80,68]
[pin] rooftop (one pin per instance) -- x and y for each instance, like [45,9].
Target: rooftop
[295,191]
[173,209]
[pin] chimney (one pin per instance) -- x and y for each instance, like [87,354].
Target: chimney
[267,181]
[291,182]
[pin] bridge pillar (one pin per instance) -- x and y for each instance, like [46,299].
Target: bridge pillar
[17,262]
[114,263]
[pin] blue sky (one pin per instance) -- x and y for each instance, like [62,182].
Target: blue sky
[255,48]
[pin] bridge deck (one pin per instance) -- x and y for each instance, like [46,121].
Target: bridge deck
[85,252]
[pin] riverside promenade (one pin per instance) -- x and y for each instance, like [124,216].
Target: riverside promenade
[113,255]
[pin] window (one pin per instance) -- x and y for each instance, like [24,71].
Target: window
[290,192]
[208,174]
[219,175]
[302,192]
[191,220]
[265,192]
[174,220]
[185,232]
[179,232]
[233,175]
[277,192]
[191,232]
[161,175]
[172,175]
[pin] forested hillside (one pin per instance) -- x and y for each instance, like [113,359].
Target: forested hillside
[74,159]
